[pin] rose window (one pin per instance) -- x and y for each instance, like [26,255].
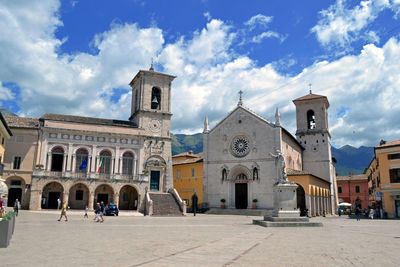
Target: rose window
[240,146]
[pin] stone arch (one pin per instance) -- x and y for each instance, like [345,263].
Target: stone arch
[128,159]
[81,159]
[89,150]
[109,149]
[301,200]
[51,192]
[123,151]
[105,157]
[78,196]
[51,147]
[155,160]
[16,187]
[239,170]
[105,193]
[311,119]
[57,158]
[155,98]
[128,197]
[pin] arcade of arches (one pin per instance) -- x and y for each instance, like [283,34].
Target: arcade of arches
[81,194]
[313,194]
[17,190]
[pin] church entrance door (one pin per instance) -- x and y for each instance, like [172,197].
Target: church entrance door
[241,195]
[155,180]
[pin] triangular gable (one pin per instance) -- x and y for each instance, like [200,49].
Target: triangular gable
[252,113]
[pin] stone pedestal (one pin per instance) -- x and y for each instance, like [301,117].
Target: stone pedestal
[285,200]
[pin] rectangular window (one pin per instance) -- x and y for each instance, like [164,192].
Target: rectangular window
[394,156]
[192,172]
[79,195]
[178,174]
[357,188]
[17,163]
[339,189]
[2,140]
[395,175]
[15,182]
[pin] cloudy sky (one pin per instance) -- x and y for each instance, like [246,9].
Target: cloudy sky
[77,57]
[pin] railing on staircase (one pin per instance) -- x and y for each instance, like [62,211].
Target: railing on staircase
[182,203]
[148,208]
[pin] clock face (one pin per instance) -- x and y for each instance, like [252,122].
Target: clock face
[155,125]
[240,146]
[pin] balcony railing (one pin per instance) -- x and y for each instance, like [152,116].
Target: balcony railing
[84,175]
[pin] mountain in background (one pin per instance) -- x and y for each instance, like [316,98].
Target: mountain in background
[350,160]
[6,112]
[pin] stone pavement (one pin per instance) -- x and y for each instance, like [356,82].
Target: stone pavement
[204,240]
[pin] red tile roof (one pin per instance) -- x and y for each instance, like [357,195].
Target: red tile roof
[392,143]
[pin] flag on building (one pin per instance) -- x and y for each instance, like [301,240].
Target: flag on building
[84,164]
[101,162]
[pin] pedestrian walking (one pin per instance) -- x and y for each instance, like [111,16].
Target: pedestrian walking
[358,213]
[97,211]
[371,214]
[64,212]
[58,203]
[86,213]
[16,207]
[340,212]
[102,211]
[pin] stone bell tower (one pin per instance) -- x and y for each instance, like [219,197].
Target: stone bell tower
[313,134]
[151,102]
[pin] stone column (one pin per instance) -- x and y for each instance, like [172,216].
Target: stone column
[120,165]
[91,200]
[66,197]
[94,152]
[116,199]
[89,164]
[112,166]
[36,200]
[49,160]
[69,158]
[134,170]
[73,162]
[64,162]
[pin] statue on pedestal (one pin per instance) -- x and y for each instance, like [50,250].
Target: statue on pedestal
[281,167]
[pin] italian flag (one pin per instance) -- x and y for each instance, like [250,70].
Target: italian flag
[101,162]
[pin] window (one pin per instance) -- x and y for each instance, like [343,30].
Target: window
[357,188]
[2,140]
[394,156]
[178,174]
[79,195]
[105,162]
[17,163]
[81,160]
[155,98]
[192,172]
[127,163]
[339,189]
[16,182]
[310,119]
[395,175]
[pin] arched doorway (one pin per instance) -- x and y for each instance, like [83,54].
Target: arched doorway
[301,200]
[78,196]
[128,198]
[104,193]
[15,190]
[241,195]
[50,194]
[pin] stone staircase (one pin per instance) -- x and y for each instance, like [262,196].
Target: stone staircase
[165,204]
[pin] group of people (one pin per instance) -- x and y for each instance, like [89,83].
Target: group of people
[99,212]
[368,213]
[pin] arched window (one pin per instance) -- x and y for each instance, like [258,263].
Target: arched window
[255,174]
[155,98]
[105,162]
[57,159]
[81,160]
[311,119]
[127,163]
[224,175]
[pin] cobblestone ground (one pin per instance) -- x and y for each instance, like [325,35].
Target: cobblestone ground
[204,240]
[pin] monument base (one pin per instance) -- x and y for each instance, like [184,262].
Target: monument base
[286,213]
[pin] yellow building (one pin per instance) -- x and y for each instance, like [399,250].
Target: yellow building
[384,178]
[313,192]
[188,176]
[5,134]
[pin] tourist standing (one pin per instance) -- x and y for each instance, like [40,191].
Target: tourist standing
[16,207]
[86,213]
[64,212]
[102,211]
[58,203]
[358,213]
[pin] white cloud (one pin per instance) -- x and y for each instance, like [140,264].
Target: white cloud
[258,20]
[5,93]
[341,26]
[259,38]
[210,74]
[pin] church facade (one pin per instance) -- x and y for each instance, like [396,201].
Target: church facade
[84,160]
[241,151]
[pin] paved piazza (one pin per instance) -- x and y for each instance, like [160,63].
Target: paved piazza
[204,240]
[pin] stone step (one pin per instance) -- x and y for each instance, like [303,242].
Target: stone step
[287,224]
[247,212]
[286,219]
[165,204]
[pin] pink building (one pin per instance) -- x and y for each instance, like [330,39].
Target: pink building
[353,189]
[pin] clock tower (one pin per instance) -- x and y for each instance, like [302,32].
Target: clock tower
[151,102]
